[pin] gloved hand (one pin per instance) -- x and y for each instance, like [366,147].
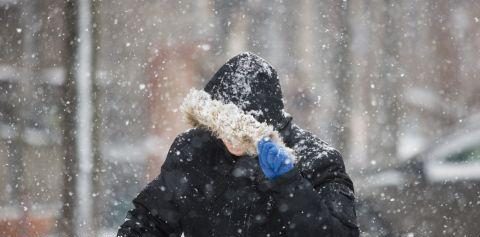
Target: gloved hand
[273,159]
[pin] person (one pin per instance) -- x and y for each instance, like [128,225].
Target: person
[207,187]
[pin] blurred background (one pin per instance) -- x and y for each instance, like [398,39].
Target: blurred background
[90,90]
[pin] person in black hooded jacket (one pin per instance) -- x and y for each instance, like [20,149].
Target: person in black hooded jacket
[206,189]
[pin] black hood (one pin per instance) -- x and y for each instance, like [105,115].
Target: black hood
[252,84]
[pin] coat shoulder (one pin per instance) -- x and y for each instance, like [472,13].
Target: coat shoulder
[310,147]
[318,161]
[188,146]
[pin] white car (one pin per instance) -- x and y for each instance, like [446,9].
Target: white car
[435,193]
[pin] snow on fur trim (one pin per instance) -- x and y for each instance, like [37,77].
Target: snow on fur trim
[228,122]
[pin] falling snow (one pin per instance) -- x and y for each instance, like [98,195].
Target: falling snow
[91,95]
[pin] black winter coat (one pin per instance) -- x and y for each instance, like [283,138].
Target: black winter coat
[203,190]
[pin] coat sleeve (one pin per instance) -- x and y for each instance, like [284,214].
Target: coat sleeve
[156,211]
[319,202]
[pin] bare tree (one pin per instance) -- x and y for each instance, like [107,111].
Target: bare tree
[342,78]
[66,220]
[29,19]
[389,87]
[97,122]
[77,121]
[297,39]
[446,58]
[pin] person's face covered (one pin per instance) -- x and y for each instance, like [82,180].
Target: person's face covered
[237,151]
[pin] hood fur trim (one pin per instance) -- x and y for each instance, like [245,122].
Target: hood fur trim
[228,122]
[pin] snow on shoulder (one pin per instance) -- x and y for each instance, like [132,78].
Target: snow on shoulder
[228,122]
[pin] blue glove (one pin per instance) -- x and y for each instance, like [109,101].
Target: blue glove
[273,159]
